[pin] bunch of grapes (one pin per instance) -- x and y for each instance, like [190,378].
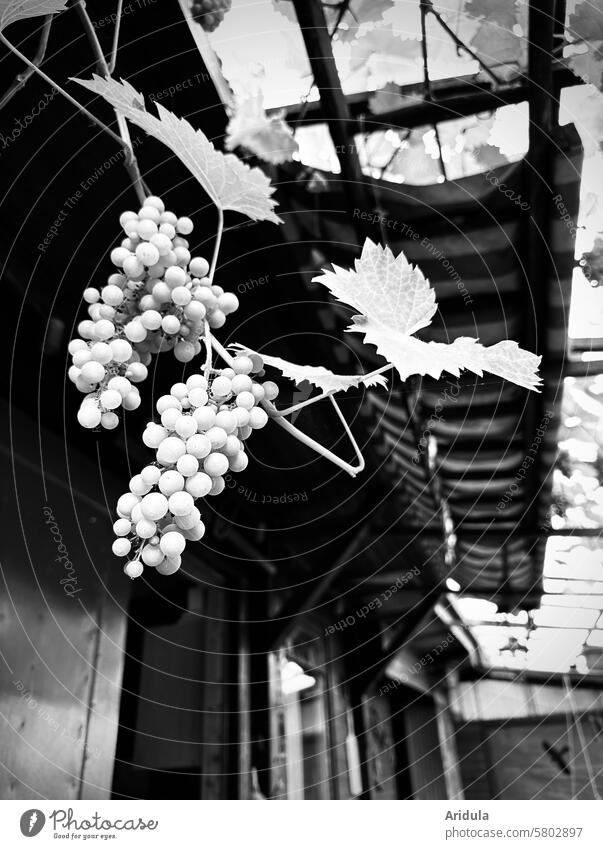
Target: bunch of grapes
[204,425]
[158,300]
[210,13]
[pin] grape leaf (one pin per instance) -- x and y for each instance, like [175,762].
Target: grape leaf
[18,10]
[588,65]
[500,12]
[270,138]
[498,48]
[359,12]
[586,22]
[230,183]
[396,300]
[318,376]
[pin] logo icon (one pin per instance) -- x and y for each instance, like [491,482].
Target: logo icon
[32,822]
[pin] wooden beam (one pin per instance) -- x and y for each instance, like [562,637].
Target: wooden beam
[311,17]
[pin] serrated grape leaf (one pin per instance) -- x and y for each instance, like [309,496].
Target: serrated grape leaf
[395,300]
[385,54]
[18,10]
[318,376]
[359,12]
[270,138]
[589,64]
[498,48]
[230,183]
[503,12]
[586,22]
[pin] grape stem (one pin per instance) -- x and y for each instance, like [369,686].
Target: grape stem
[220,231]
[113,60]
[302,437]
[208,346]
[131,163]
[10,46]
[21,79]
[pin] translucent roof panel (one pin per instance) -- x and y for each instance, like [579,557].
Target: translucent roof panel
[375,43]
[565,633]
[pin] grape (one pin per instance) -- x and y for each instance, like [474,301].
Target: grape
[110,399]
[170,324]
[166,402]
[221,387]
[217,437]
[135,331]
[167,229]
[228,303]
[137,513]
[184,225]
[150,475]
[119,255]
[245,400]
[125,217]
[155,201]
[186,426]
[198,266]
[149,212]
[91,296]
[258,418]
[271,390]
[104,329]
[154,506]
[227,420]
[152,555]
[189,520]
[146,253]
[216,320]
[241,383]
[171,482]
[137,372]
[215,464]
[92,371]
[126,504]
[132,400]
[181,503]
[184,351]
[89,416]
[242,416]
[218,486]
[133,569]
[198,446]
[132,266]
[111,295]
[101,352]
[169,565]
[198,485]
[232,446]
[138,486]
[170,417]
[243,364]
[170,450]
[120,384]
[187,465]
[197,532]
[146,229]
[175,276]
[257,390]
[239,462]
[154,436]
[181,296]
[172,543]
[121,547]
[145,529]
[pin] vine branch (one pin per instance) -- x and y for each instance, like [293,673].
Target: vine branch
[302,437]
[131,163]
[21,79]
[113,59]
